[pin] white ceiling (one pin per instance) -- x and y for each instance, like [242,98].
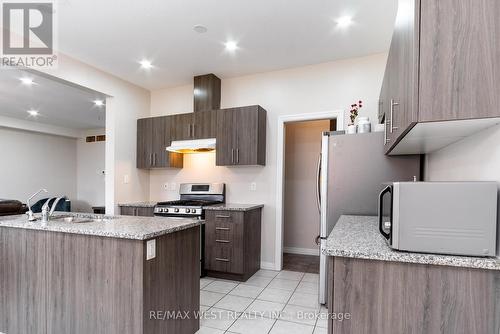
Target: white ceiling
[59,103]
[114,35]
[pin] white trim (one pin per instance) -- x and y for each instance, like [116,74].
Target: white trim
[336,114]
[267,265]
[301,251]
[31,126]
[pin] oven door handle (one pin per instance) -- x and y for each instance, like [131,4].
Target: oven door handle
[380,211]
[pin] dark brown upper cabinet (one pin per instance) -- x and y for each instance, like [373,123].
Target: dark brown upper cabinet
[197,125]
[443,65]
[205,124]
[241,136]
[153,137]
[182,126]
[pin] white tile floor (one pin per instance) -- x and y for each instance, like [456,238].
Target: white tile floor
[269,302]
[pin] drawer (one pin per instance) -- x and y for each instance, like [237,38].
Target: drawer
[224,258]
[221,216]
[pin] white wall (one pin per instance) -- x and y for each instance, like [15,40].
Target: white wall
[322,87]
[301,214]
[90,167]
[127,103]
[476,158]
[31,161]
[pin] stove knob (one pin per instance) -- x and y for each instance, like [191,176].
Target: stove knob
[176,210]
[188,210]
[165,210]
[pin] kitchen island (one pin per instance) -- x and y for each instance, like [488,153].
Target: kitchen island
[388,291]
[99,274]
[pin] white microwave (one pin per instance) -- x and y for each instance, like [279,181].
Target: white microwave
[458,218]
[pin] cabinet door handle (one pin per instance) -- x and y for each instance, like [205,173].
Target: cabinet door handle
[193,131]
[150,159]
[222,241]
[222,260]
[222,216]
[393,104]
[386,140]
[232,155]
[135,211]
[237,155]
[154,159]
[222,228]
[189,130]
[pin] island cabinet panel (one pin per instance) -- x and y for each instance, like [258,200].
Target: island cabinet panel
[392,297]
[53,282]
[22,287]
[94,284]
[232,243]
[172,283]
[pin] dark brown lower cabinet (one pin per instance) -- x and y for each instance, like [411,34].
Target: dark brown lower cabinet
[137,211]
[392,297]
[54,282]
[232,243]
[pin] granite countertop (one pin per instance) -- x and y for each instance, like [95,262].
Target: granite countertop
[139,204]
[359,237]
[123,227]
[234,207]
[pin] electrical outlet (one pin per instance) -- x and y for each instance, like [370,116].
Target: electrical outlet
[165,186]
[126,179]
[150,249]
[253,186]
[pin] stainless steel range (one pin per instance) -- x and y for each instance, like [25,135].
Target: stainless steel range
[193,198]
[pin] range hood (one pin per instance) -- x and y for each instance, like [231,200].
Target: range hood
[192,146]
[206,95]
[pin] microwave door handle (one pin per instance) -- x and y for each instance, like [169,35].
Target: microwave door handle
[380,209]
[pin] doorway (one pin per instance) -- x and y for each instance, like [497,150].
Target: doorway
[301,201]
[337,115]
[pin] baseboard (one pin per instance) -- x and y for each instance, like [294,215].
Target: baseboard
[267,265]
[301,251]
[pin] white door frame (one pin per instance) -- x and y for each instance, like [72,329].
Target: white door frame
[336,114]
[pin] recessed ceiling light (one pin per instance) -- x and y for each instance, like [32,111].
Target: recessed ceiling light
[200,29]
[146,64]
[344,21]
[99,103]
[27,81]
[231,46]
[33,112]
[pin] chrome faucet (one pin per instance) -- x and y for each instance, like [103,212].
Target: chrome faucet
[46,211]
[31,216]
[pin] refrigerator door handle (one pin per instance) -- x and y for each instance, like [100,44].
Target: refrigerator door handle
[318,184]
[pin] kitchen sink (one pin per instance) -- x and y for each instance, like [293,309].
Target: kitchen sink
[71,219]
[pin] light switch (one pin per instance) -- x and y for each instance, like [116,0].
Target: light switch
[126,179]
[150,249]
[253,186]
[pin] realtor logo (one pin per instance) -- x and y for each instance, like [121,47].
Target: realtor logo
[28,34]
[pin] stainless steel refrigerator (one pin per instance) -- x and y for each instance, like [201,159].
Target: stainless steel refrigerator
[351,172]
